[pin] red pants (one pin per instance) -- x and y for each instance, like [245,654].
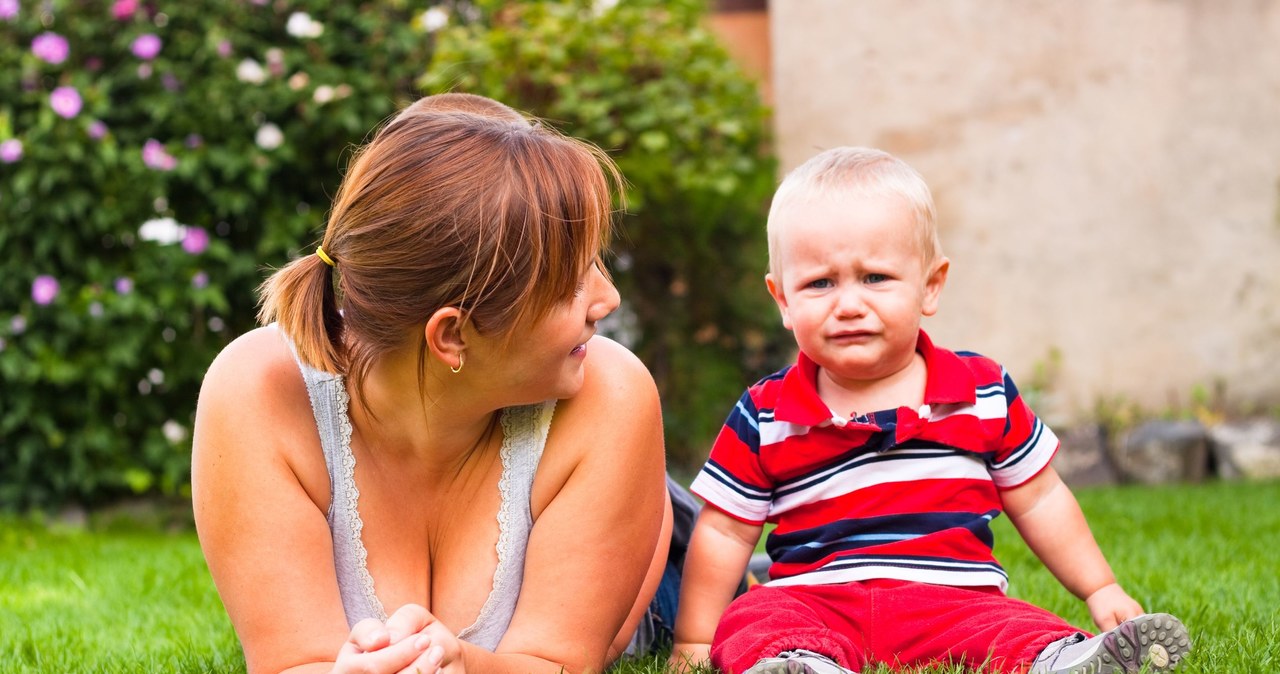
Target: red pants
[895,622]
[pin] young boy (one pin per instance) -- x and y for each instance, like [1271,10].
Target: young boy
[882,459]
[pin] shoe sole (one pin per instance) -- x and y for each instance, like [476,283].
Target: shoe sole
[784,667]
[1158,641]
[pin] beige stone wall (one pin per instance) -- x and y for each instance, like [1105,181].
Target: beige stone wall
[1107,175]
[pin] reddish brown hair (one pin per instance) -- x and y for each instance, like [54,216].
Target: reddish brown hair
[457,201]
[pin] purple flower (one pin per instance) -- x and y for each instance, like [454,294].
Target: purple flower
[224,48]
[10,150]
[194,140]
[66,102]
[200,280]
[170,82]
[44,289]
[124,9]
[97,129]
[147,46]
[18,324]
[195,240]
[124,285]
[155,156]
[8,9]
[50,48]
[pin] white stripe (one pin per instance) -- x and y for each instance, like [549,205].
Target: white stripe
[988,407]
[752,490]
[983,576]
[772,432]
[1038,456]
[715,492]
[907,465]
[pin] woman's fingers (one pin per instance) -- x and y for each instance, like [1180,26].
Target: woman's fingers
[397,657]
[368,635]
[407,620]
[427,663]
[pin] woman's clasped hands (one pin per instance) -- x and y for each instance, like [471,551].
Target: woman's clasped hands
[412,641]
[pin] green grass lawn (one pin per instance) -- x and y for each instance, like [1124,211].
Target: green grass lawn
[120,598]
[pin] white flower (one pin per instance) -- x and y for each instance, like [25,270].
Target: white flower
[250,71]
[599,7]
[173,431]
[300,24]
[434,19]
[269,136]
[323,94]
[299,80]
[156,376]
[162,230]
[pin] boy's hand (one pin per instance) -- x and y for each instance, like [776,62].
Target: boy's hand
[1111,605]
[684,657]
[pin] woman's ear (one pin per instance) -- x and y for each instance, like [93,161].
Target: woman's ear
[445,338]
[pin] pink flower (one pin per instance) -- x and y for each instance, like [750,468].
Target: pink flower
[50,48]
[146,47]
[8,9]
[224,48]
[155,156]
[66,102]
[124,9]
[195,240]
[200,280]
[44,289]
[97,129]
[124,285]
[10,150]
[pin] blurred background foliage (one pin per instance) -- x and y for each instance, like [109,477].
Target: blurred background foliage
[157,159]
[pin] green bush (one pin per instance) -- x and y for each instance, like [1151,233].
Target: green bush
[223,121]
[645,80]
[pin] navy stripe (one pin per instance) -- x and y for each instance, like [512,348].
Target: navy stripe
[751,492]
[910,562]
[807,546]
[742,421]
[1024,450]
[859,457]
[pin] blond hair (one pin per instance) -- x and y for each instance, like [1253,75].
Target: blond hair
[857,172]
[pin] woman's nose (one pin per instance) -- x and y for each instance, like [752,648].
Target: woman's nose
[604,296]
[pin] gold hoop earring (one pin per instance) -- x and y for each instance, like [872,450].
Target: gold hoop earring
[458,369]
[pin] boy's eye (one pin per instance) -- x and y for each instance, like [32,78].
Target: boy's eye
[821,283]
[876,278]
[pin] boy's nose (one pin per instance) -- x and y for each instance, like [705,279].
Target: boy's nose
[850,303]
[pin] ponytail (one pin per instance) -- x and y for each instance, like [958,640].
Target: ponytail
[300,298]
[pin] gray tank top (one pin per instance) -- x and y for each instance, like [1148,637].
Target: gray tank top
[524,434]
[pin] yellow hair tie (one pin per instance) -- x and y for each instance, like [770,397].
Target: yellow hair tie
[327,260]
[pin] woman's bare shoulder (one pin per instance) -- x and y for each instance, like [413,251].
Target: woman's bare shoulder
[254,404]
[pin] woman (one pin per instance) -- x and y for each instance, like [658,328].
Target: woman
[429,461]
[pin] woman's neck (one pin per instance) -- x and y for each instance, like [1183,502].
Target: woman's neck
[427,421]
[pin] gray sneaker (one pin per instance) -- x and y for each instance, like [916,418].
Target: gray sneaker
[1157,641]
[798,662]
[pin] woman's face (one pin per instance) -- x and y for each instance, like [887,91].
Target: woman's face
[545,359]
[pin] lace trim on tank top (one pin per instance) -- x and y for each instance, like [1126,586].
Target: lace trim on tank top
[348,473]
[520,425]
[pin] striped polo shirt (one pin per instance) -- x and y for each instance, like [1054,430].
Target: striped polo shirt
[907,494]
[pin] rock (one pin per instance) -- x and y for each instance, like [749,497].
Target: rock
[1082,460]
[1248,449]
[1161,452]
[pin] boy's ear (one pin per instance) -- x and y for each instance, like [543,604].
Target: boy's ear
[933,285]
[444,335]
[775,291]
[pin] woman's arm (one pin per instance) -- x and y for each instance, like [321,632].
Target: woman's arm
[1049,518]
[601,493]
[260,490]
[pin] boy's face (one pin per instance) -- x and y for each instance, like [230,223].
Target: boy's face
[853,284]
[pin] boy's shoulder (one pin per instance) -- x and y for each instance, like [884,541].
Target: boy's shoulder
[985,371]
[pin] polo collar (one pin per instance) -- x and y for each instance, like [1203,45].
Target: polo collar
[948,381]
